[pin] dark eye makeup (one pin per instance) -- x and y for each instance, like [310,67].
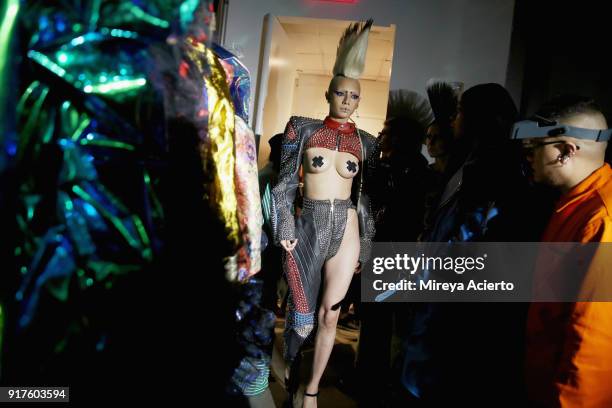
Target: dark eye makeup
[342,93]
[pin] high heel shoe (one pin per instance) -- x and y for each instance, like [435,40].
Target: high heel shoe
[306,394]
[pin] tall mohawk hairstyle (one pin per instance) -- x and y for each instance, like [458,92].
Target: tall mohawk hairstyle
[411,105]
[350,58]
[443,100]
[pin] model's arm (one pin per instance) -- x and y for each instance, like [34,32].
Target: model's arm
[366,216]
[283,194]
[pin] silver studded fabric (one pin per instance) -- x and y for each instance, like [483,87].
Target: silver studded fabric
[329,226]
[318,233]
[372,147]
[283,194]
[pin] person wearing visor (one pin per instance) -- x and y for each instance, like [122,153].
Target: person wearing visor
[569,345]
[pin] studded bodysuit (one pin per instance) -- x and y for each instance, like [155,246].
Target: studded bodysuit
[320,227]
[332,145]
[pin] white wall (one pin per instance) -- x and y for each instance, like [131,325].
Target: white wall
[464,40]
[280,88]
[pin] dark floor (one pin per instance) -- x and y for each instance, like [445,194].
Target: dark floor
[341,365]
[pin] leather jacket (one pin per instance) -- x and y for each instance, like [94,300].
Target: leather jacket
[297,132]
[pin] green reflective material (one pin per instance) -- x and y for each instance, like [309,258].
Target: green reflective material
[116,86]
[114,220]
[139,13]
[106,143]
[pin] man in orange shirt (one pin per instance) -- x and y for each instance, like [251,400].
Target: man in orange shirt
[569,345]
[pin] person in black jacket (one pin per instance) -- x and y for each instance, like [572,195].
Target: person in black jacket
[470,353]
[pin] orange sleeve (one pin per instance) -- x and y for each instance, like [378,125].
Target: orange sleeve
[584,376]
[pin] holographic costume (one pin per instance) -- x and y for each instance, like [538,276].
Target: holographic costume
[110,113]
[320,227]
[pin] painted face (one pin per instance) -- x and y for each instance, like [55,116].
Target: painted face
[343,97]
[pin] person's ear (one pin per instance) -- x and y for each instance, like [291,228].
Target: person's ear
[327,96]
[570,148]
[568,151]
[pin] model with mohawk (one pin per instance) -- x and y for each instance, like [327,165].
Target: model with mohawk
[332,237]
[351,54]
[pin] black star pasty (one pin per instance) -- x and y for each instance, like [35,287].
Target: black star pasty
[317,161]
[351,166]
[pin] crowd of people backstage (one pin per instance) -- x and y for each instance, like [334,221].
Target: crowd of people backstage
[484,354]
[483,186]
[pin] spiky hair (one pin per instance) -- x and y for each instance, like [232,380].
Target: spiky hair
[443,100]
[351,54]
[409,104]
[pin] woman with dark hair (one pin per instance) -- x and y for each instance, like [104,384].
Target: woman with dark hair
[483,169]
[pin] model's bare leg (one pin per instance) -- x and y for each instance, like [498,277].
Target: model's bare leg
[338,271]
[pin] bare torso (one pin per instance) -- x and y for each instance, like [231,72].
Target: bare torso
[328,174]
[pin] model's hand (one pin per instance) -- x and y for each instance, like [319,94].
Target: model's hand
[358,267]
[289,244]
